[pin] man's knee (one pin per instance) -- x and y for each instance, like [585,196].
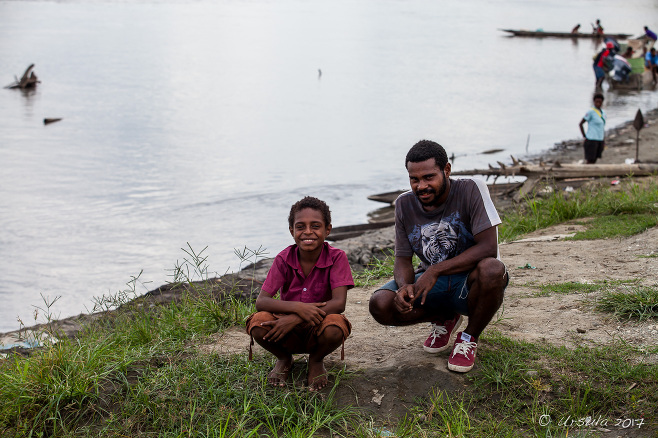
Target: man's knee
[380,305]
[491,274]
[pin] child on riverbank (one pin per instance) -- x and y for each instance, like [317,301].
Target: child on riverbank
[312,278]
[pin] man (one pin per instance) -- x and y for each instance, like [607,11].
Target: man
[595,137]
[451,225]
[651,35]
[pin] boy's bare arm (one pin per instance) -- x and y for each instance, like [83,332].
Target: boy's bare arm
[312,313]
[337,302]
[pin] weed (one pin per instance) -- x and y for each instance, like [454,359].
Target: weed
[637,302]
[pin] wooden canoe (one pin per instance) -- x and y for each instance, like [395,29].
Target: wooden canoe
[542,34]
[349,231]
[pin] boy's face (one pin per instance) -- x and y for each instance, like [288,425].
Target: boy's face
[309,229]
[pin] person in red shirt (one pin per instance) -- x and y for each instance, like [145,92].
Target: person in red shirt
[312,278]
[602,62]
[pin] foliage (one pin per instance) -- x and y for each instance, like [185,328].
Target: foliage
[639,203]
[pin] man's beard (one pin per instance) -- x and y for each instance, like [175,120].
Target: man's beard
[435,201]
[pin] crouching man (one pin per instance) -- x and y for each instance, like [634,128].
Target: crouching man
[451,225]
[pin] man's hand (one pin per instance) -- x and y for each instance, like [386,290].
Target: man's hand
[404,298]
[280,327]
[310,312]
[424,284]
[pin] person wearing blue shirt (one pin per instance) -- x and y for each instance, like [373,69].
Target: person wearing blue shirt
[651,62]
[595,136]
[650,34]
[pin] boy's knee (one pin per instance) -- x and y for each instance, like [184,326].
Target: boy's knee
[258,333]
[333,334]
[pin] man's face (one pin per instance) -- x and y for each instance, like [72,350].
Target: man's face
[598,102]
[429,183]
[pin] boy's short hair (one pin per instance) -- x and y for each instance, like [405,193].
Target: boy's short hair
[598,96]
[310,202]
[426,149]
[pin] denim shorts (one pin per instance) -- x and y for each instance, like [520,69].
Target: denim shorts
[449,292]
[599,72]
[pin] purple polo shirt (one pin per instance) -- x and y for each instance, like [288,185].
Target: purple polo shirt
[332,270]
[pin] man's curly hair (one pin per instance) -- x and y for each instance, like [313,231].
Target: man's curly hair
[424,150]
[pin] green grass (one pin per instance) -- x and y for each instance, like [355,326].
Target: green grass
[634,209]
[574,287]
[379,270]
[638,302]
[610,226]
[376,271]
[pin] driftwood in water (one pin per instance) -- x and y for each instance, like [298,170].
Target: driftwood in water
[28,80]
[563,171]
[537,173]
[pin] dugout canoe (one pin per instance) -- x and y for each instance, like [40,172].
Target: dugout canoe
[349,231]
[543,34]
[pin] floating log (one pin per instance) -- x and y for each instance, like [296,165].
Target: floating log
[562,171]
[49,121]
[28,80]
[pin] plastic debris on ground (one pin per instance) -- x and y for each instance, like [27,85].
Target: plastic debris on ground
[26,339]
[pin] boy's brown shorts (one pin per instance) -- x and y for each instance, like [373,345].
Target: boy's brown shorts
[304,337]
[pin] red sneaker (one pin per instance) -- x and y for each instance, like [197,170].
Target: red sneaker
[463,354]
[439,338]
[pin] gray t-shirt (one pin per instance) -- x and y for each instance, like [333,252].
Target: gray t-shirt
[447,231]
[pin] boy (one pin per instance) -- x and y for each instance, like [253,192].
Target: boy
[313,279]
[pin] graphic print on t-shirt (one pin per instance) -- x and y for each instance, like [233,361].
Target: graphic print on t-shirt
[438,241]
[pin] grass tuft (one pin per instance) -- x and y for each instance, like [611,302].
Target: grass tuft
[638,302]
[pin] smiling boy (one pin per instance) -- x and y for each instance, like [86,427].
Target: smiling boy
[312,278]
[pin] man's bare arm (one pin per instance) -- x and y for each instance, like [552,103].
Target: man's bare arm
[403,271]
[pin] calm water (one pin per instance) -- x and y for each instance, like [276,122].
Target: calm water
[201,122]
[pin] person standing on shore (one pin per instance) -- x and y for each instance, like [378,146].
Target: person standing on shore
[595,137]
[651,35]
[651,63]
[312,278]
[451,225]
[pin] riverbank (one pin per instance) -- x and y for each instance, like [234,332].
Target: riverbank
[620,146]
[180,351]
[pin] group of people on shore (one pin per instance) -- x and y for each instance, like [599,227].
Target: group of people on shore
[449,224]
[594,137]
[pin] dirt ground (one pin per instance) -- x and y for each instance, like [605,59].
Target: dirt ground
[393,369]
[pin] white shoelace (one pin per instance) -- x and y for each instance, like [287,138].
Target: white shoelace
[463,348]
[438,330]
